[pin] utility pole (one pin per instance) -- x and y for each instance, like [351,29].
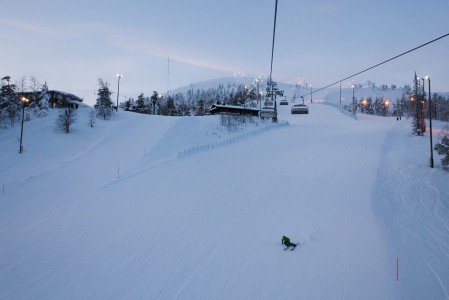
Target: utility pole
[118,89]
[430,124]
[340,94]
[272,54]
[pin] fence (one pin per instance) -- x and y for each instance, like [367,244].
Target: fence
[229,141]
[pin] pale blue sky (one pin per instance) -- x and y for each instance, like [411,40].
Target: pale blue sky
[70,44]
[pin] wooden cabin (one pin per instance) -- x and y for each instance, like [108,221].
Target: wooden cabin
[233,109]
[56,99]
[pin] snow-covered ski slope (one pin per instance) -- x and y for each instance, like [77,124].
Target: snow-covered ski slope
[110,212]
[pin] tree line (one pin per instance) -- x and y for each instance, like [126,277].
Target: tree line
[192,102]
[413,103]
[408,105]
[11,103]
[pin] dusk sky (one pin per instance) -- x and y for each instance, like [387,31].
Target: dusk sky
[70,44]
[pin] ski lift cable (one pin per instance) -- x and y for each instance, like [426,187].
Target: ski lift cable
[272,44]
[346,78]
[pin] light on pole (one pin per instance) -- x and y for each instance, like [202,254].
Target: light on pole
[364,103]
[387,104]
[430,124]
[118,89]
[24,102]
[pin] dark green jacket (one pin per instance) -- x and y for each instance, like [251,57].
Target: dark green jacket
[285,240]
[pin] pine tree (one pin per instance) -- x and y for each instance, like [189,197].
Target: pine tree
[140,103]
[416,109]
[442,148]
[41,110]
[104,102]
[155,105]
[9,102]
[378,106]
[128,104]
[168,108]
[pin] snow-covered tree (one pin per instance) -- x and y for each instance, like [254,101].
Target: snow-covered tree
[140,103]
[104,102]
[440,107]
[92,115]
[442,148]
[128,104]
[379,106]
[42,107]
[9,102]
[155,104]
[416,108]
[65,119]
[168,107]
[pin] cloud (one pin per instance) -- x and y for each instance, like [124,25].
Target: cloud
[161,50]
[65,30]
[26,25]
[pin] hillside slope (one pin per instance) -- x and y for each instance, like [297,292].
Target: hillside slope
[111,212]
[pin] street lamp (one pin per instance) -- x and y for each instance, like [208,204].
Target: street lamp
[430,124]
[364,103]
[118,89]
[24,101]
[387,104]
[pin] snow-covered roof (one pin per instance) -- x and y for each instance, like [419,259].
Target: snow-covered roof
[68,95]
[233,106]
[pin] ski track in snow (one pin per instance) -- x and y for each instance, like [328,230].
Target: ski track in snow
[209,226]
[420,231]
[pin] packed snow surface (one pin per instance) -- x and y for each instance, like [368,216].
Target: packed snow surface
[112,212]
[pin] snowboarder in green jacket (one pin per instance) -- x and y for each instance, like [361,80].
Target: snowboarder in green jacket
[286,242]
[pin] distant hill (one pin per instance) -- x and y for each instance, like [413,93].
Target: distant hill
[331,95]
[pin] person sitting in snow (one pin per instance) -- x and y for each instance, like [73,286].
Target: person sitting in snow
[286,242]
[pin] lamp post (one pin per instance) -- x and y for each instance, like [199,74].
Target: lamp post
[311,93]
[24,101]
[118,89]
[430,124]
[354,107]
[387,104]
[364,103]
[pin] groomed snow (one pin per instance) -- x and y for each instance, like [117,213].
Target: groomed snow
[111,212]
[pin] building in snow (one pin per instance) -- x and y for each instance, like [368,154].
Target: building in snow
[56,99]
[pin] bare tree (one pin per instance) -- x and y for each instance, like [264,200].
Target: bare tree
[66,119]
[21,84]
[35,85]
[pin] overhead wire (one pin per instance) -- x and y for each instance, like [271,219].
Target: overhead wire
[358,73]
